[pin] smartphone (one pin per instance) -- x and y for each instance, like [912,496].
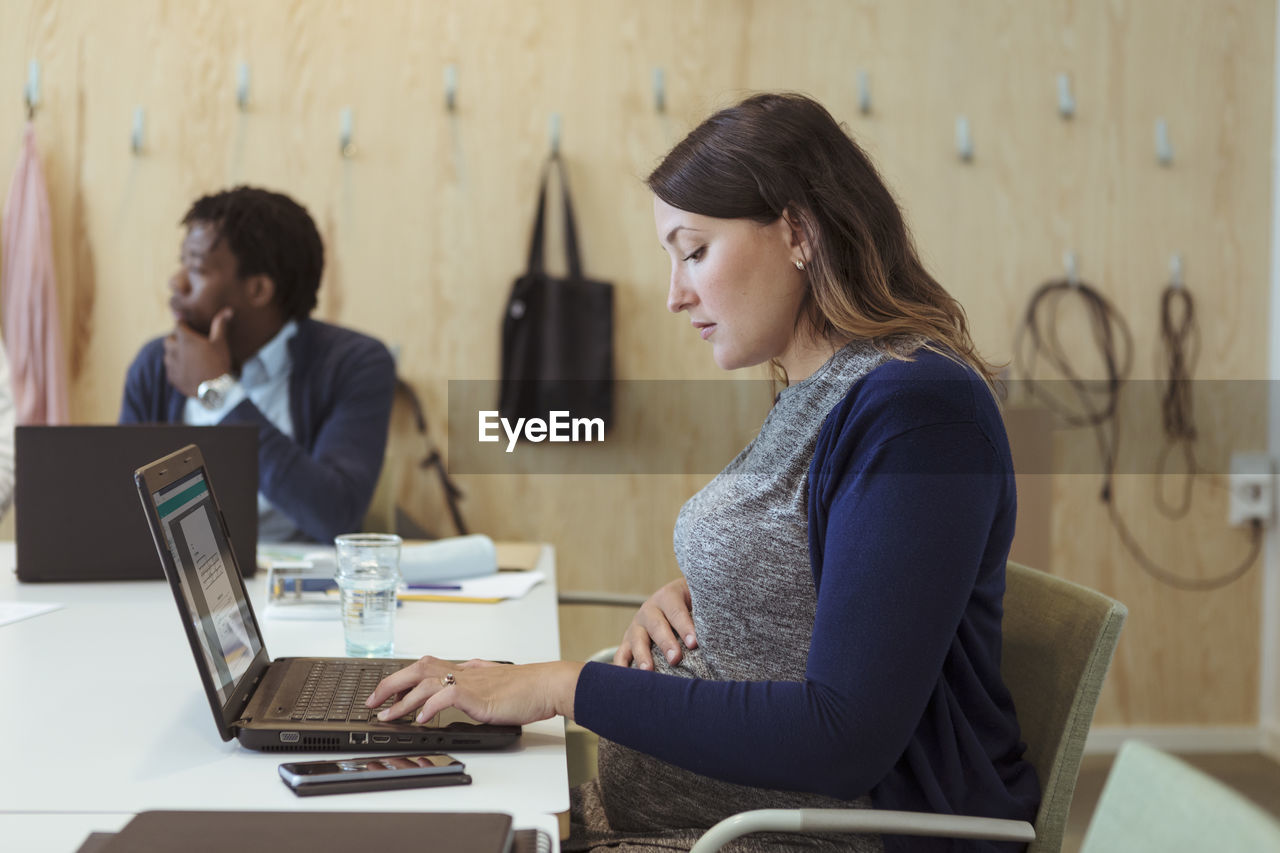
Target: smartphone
[373,773]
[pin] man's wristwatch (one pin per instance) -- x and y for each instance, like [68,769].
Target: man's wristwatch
[213,392]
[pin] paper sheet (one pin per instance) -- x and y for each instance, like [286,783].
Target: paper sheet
[311,609]
[14,611]
[502,585]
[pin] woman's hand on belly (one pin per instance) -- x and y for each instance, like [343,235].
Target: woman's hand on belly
[660,621]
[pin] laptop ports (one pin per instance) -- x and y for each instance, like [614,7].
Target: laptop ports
[382,738]
[358,738]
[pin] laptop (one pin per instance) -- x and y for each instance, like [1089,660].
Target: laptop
[315,832]
[77,478]
[289,704]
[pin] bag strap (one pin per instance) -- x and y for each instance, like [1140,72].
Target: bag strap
[570,227]
[433,459]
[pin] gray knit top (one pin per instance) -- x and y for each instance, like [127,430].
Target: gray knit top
[742,544]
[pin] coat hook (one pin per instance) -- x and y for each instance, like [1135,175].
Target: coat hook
[964,139]
[1073,267]
[659,90]
[138,136]
[345,146]
[864,92]
[555,134]
[1066,100]
[1175,271]
[1164,148]
[451,88]
[242,86]
[31,92]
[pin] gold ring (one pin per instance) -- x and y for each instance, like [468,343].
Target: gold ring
[447,680]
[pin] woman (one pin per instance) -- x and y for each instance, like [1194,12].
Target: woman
[843,576]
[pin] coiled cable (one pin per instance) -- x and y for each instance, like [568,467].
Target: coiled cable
[1097,402]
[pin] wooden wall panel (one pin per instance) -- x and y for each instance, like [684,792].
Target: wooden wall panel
[427,224]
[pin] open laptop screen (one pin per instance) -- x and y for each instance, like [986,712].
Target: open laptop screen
[214,593]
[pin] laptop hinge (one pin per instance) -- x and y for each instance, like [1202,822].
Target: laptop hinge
[248,695]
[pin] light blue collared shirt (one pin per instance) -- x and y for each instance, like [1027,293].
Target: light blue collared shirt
[264,379]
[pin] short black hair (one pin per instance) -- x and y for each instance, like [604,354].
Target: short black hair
[269,234]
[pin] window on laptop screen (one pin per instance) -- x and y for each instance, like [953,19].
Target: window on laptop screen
[215,599]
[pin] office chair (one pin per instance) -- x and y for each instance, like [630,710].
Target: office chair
[1059,638]
[1155,802]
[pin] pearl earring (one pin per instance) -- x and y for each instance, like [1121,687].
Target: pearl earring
[800,266]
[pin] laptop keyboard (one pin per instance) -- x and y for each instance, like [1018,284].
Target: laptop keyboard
[336,690]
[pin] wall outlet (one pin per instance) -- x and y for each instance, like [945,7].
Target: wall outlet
[1252,486]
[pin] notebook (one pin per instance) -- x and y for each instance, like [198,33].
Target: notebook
[288,704]
[77,478]
[316,832]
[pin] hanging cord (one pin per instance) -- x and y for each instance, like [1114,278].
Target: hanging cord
[1181,339]
[1098,403]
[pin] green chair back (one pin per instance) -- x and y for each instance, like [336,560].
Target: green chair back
[1155,802]
[1059,638]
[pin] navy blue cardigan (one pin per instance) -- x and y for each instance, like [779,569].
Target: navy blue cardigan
[340,393]
[911,514]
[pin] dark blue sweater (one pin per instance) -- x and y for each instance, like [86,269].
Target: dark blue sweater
[340,393]
[911,514]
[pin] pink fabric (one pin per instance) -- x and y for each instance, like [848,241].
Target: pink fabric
[29,295]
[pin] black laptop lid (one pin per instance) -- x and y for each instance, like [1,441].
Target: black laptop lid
[83,476]
[317,832]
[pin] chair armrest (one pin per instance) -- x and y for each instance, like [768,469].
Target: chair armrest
[604,655]
[862,821]
[608,599]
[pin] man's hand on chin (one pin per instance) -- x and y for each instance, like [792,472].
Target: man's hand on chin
[190,358]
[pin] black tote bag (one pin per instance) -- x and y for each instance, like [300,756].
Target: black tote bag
[557,334]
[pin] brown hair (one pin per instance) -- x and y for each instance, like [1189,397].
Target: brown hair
[784,153]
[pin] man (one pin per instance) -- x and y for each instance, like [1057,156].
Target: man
[245,351]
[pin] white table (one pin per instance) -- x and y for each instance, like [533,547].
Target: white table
[74,760]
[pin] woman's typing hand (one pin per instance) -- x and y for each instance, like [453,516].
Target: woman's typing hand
[484,690]
[667,615]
